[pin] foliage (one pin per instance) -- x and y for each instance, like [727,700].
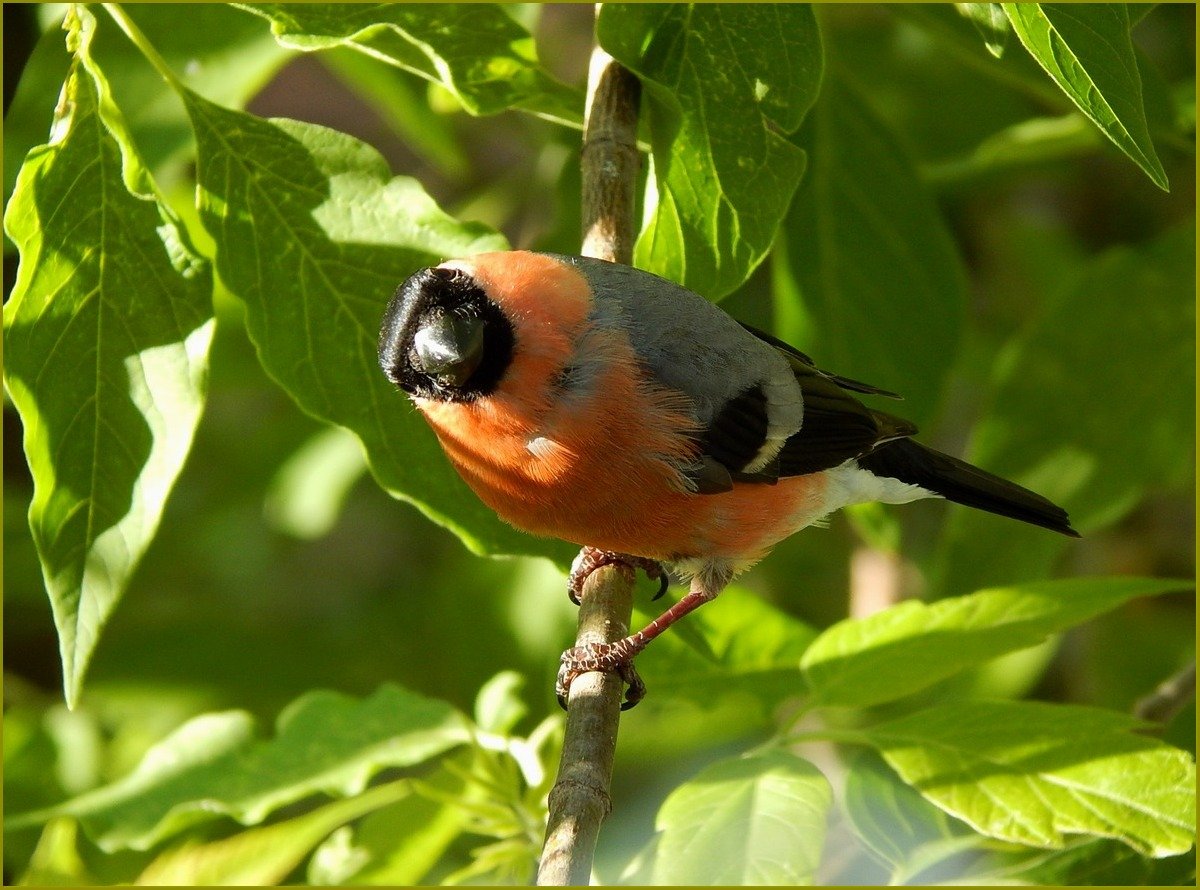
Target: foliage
[987,207]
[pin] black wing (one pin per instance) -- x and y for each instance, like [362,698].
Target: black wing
[836,427]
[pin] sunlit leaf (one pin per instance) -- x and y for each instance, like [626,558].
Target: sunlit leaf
[475,50]
[912,645]
[989,21]
[758,819]
[213,766]
[106,342]
[264,855]
[1036,773]
[199,54]
[1086,49]
[722,83]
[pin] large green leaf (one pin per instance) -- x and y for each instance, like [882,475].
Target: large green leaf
[1091,405]
[892,819]
[876,269]
[913,645]
[314,236]
[475,50]
[264,855]
[213,766]
[750,820]
[1034,773]
[106,343]
[723,83]
[1086,49]
[924,846]
[221,53]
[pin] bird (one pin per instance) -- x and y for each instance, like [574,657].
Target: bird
[604,405]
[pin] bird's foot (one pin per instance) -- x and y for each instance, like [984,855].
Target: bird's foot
[616,657]
[592,558]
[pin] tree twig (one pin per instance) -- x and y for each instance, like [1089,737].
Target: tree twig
[580,800]
[1169,698]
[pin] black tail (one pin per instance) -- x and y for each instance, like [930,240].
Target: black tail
[958,481]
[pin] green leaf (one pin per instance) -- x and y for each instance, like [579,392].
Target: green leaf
[404,841]
[475,50]
[400,100]
[264,855]
[723,83]
[498,706]
[1083,862]
[212,766]
[924,846]
[750,820]
[873,260]
[309,488]
[106,344]
[221,53]
[1086,50]
[1034,773]
[888,816]
[890,654]
[314,236]
[1095,365]
[989,21]
[718,675]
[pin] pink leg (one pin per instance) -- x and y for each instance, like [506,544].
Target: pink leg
[618,656]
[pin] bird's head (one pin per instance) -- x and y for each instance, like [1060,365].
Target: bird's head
[444,338]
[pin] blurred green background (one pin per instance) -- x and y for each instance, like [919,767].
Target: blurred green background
[280,566]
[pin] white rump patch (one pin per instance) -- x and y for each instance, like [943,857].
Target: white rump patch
[850,484]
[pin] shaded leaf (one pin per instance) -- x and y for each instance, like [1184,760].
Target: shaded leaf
[1083,862]
[907,647]
[871,259]
[723,83]
[314,236]
[212,766]
[475,50]
[1086,50]
[264,855]
[751,820]
[401,102]
[1034,773]
[892,819]
[1116,352]
[718,675]
[106,344]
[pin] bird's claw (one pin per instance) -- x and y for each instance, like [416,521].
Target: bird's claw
[592,558]
[609,657]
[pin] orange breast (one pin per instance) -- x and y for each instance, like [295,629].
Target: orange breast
[599,471]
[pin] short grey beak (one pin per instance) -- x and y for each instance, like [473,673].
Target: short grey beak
[449,348]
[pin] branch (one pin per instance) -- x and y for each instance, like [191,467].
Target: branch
[1171,696]
[580,800]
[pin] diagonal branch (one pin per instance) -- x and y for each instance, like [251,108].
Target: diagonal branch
[580,800]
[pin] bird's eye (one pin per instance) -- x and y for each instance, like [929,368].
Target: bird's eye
[449,348]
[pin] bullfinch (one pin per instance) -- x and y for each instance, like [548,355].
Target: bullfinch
[604,405]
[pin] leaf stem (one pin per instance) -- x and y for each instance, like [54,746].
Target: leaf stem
[135,35]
